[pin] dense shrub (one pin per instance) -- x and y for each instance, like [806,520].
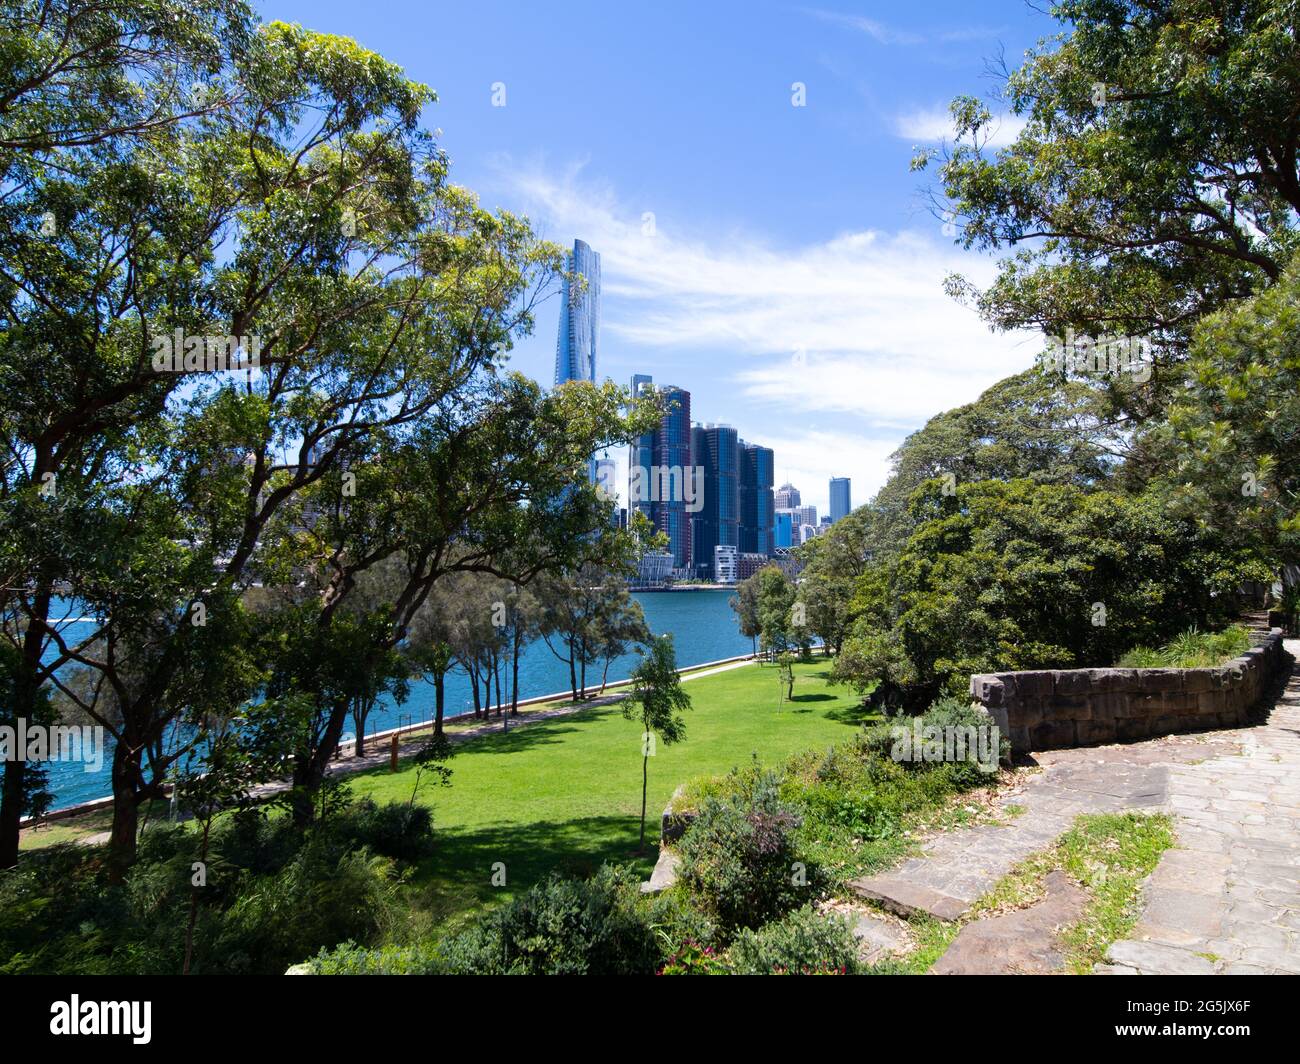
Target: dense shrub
[562,927]
[274,895]
[351,959]
[803,943]
[739,862]
[396,829]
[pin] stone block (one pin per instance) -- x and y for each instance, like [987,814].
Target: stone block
[1197,680]
[1112,681]
[988,689]
[1030,685]
[1158,681]
[1129,728]
[1095,731]
[1052,735]
[1070,682]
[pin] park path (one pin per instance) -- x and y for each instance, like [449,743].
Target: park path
[1224,899]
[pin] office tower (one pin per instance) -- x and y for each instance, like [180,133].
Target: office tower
[717,523]
[806,532]
[841,503]
[787,497]
[806,515]
[640,457]
[757,505]
[783,529]
[660,471]
[575,347]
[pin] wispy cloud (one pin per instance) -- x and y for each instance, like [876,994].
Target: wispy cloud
[857,326]
[934,124]
[886,34]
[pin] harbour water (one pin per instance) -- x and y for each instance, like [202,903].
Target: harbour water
[701,622]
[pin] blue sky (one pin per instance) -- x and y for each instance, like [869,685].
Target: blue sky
[791,278]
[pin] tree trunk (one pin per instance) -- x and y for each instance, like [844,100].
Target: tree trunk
[645,781]
[439,701]
[604,677]
[11,812]
[194,899]
[126,810]
[359,718]
[573,674]
[25,691]
[309,769]
[472,671]
[514,681]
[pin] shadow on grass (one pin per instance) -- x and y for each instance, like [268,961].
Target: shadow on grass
[456,881]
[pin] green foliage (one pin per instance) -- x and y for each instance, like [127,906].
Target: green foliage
[1192,649]
[1145,188]
[351,959]
[1232,443]
[739,859]
[1000,576]
[396,829]
[802,943]
[561,927]
[693,959]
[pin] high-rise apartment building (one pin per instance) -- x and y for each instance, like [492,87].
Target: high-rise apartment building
[717,523]
[575,347]
[841,498]
[757,505]
[660,465]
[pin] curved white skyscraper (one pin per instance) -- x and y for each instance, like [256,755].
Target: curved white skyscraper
[575,347]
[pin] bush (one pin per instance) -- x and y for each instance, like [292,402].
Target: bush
[1192,649]
[690,958]
[739,860]
[396,829]
[893,741]
[803,943]
[562,927]
[351,959]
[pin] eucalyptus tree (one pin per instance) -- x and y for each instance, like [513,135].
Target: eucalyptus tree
[313,220]
[1156,176]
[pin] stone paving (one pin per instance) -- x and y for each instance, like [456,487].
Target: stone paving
[1225,899]
[957,867]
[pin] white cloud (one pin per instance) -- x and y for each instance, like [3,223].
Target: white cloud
[933,124]
[851,331]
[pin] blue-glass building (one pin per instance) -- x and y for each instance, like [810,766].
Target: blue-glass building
[575,347]
[757,506]
[783,529]
[660,471]
[717,523]
[841,502]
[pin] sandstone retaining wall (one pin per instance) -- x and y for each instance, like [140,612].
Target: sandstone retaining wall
[1059,708]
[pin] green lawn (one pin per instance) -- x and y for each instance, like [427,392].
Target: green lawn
[565,794]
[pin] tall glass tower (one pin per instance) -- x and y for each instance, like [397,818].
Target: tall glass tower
[575,347]
[841,502]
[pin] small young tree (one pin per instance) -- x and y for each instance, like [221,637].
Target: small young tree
[785,672]
[657,700]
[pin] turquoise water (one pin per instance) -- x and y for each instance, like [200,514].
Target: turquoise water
[702,624]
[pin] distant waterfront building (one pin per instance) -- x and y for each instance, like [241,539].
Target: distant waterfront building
[655,567]
[787,497]
[668,447]
[783,530]
[749,564]
[757,504]
[717,522]
[575,347]
[725,557]
[841,498]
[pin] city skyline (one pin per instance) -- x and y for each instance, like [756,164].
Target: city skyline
[818,322]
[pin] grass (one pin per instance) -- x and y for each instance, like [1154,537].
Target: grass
[1192,649]
[565,794]
[1108,854]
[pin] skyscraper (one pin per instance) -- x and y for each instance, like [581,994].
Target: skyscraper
[787,497]
[575,347]
[757,507]
[841,500]
[717,524]
[783,529]
[660,471]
